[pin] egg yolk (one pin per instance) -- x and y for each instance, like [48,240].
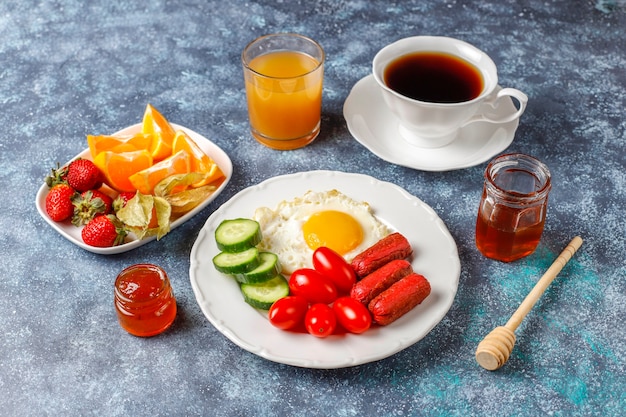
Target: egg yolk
[333,229]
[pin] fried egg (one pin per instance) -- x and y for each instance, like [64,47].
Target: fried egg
[299,226]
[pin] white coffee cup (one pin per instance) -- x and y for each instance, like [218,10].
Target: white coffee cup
[432,124]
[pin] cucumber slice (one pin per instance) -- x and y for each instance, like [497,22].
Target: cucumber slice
[264,294]
[267,269]
[237,262]
[237,235]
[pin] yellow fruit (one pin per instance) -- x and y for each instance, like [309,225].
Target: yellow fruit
[123,147]
[161,131]
[140,140]
[146,179]
[141,161]
[118,167]
[154,122]
[118,144]
[160,149]
[200,161]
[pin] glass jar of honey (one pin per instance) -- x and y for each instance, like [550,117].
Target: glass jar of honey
[512,210]
[144,300]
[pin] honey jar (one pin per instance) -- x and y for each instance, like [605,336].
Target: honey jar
[144,300]
[512,210]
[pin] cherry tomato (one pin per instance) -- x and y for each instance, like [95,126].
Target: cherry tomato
[320,321]
[352,314]
[331,264]
[288,312]
[313,286]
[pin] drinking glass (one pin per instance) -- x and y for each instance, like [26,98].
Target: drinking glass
[283,75]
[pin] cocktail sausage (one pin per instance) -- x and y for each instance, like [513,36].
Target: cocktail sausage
[389,248]
[378,281]
[399,298]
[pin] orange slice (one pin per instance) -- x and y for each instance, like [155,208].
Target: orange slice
[118,144]
[124,147]
[154,122]
[140,140]
[118,167]
[146,179]
[160,149]
[156,125]
[200,161]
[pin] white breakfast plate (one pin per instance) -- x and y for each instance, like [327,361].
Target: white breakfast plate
[373,125]
[72,233]
[435,256]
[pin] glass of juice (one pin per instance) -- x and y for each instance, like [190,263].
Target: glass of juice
[283,75]
[512,210]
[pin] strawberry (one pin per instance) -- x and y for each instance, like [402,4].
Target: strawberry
[59,202]
[83,175]
[106,199]
[57,176]
[121,200]
[104,231]
[88,205]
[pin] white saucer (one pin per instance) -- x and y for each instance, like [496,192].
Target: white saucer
[374,126]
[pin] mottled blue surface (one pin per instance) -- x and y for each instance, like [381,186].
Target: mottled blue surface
[69,69]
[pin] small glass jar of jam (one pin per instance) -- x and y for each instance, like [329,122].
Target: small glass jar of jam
[512,210]
[144,300]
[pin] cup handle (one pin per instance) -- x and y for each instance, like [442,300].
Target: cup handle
[493,102]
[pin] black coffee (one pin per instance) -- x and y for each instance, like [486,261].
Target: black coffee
[434,77]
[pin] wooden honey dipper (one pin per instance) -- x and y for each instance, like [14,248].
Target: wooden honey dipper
[496,347]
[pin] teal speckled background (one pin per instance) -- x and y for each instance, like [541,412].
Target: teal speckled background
[70,68]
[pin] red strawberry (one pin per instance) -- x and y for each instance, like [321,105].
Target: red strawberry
[88,205]
[59,202]
[57,176]
[83,175]
[121,200]
[106,199]
[104,231]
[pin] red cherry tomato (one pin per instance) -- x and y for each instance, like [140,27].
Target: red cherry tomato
[352,314]
[313,286]
[331,264]
[288,312]
[320,321]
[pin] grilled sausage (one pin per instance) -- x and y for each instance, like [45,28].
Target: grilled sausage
[381,279]
[399,299]
[389,248]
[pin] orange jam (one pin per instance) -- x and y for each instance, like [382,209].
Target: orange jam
[144,300]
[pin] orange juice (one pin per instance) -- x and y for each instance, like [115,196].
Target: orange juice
[284,91]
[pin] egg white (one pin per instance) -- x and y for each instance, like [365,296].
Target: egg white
[282,227]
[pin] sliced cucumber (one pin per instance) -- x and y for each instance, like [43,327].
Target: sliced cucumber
[237,235]
[237,262]
[264,294]
[267,269]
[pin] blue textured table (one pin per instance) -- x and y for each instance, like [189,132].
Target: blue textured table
[70,69]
